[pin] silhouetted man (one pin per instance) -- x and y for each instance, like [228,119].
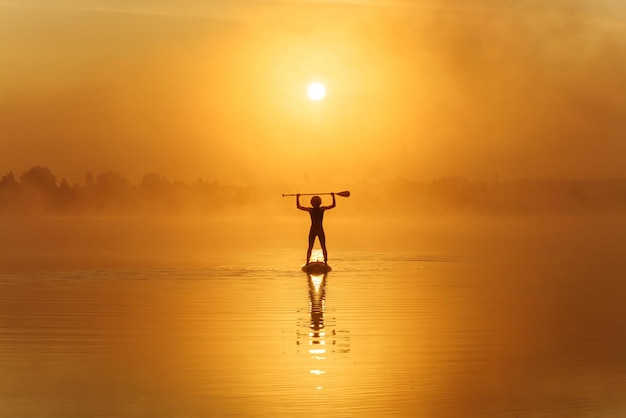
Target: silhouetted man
[317,217]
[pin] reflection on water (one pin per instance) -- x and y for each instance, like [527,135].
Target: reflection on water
[317,334]
[320,338]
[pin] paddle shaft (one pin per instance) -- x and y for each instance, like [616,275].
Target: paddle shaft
[342,194]
[307,194]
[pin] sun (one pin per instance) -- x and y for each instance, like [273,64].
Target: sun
[316,91]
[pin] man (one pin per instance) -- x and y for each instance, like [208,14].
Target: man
[317,217]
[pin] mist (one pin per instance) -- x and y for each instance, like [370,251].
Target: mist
[441,111]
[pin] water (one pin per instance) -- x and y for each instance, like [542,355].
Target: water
[523,319]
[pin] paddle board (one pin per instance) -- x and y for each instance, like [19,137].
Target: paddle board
[316,267]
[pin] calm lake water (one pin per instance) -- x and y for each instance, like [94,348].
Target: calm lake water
[441,318]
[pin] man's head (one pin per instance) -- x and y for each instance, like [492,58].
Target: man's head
[316,201]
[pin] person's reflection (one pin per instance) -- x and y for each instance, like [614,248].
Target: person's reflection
[317,334]
[321,341]
[318,327]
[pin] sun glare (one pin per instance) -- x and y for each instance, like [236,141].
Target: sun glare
[316,91]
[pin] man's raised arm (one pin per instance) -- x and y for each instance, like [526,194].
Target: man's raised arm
[334,203]
[298,205]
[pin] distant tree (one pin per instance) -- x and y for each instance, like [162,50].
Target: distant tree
[39,178]
[153,182]
[38,190]
[112,191]
[8,192]
[89,184]
[154,193]
[111,182]
[66,197]
[8,181]
[64,186]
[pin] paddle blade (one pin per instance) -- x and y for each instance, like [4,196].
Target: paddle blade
[344,194]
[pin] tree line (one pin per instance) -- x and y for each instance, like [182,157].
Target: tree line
[37,191]
[110,193]
[515,197]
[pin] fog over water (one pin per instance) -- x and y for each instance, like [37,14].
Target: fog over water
[438,316]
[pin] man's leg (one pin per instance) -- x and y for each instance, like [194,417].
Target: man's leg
[311,242]
[322,238]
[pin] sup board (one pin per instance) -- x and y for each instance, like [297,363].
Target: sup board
[316,267]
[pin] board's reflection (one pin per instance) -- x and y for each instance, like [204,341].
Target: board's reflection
[317,300]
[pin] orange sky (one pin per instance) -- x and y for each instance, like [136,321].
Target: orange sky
[217,89]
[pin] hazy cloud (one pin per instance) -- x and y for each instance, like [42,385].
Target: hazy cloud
[415,89]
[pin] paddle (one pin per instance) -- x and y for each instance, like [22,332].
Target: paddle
[342,194]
